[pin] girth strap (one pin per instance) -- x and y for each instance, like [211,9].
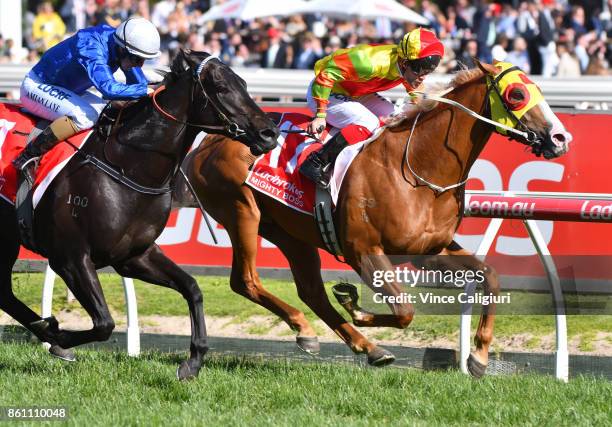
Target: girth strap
[117,176]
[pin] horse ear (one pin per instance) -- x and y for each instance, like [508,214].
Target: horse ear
[486,68]
[185,55]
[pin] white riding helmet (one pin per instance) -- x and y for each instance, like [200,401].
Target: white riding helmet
[139,37]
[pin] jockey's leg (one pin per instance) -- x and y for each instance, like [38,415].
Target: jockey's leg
[378,104]
[69,113]
[57,131]
[318,165]
[356,122]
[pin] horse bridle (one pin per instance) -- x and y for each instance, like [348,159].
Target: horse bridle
[530,137]
[232,128]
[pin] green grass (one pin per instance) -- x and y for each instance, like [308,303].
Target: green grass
[219,300]
[106,388]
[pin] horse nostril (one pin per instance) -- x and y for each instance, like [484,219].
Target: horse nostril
[559,137]
[268,134]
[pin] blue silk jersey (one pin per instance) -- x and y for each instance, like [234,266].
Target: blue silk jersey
[89,58]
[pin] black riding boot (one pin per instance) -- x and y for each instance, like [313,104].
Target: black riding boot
[41,144]
[318,166]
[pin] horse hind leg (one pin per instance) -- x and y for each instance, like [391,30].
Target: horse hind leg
[155,267]
[13,306]
[306,268]
[80,276]
[243,226]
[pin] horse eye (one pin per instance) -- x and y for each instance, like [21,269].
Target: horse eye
[517,95]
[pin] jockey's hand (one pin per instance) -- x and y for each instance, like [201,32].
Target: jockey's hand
[317,126]
[416,98]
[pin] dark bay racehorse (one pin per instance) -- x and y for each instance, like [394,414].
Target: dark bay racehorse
[383,208]
[118,225]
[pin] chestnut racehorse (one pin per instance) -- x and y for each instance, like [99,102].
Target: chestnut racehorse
[383,208]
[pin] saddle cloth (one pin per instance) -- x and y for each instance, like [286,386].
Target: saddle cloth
[276,174]
[15,126]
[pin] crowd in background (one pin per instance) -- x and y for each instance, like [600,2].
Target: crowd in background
[544,37]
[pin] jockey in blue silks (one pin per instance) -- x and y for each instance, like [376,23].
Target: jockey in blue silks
[56,88]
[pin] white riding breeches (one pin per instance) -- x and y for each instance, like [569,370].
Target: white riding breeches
[51,102]
[364,110]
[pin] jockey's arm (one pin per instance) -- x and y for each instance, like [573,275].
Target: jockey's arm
[333,71]
[135,75]
[322,86]
[102,78]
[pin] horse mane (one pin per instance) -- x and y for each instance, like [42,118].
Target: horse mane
[408,112]
[176,68]
[180,64]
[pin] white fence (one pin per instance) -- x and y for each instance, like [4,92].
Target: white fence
[288,86]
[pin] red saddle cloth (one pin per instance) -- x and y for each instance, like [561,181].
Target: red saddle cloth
[15,126]
[276,174]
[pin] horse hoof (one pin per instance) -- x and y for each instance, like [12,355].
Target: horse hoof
[62,353]
[185,372]
[475,368]
[380,357]
[346,293]
[308,345]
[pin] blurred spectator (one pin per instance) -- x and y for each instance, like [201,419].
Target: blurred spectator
[506,24]
[568,63]
[241,57]
[469,52]
[518,56]
[500,49]
[308,53]
[110,14]
[481,28]
[546,40]
[48,29]
[484,28]
[581,49]
[276,53]
[577,20]
[73,12]
[161,12]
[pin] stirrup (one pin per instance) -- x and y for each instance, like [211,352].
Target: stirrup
[27,170]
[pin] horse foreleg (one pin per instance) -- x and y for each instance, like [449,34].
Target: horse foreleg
[478,360]
[306,268]
[156,268]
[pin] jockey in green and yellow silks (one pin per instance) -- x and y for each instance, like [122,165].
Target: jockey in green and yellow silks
[344,92]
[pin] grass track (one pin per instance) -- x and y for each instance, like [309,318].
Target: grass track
[106,388]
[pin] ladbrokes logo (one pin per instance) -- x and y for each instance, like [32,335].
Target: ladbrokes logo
[594,210]
[503,209]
